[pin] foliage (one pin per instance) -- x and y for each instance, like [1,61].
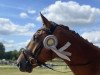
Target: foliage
[2,50]
[12,55]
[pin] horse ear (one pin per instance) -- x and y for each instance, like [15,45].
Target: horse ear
[45,21]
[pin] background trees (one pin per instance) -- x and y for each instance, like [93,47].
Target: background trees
[2,50]
[9,55]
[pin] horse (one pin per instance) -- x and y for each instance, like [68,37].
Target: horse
[58,41]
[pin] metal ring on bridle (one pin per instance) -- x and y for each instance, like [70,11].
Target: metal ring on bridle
[50,41]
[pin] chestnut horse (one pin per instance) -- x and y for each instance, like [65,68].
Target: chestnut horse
[82,57]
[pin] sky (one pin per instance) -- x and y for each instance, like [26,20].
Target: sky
[20,19]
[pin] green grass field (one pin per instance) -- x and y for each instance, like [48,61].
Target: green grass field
[13,70]
[7,70]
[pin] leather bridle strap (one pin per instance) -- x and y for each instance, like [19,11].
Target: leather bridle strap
[29,55]
[37,62]
[37,51]
[40,46]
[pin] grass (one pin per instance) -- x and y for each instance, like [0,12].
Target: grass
[7,70]
[12,70]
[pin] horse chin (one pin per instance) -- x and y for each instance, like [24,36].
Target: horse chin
[27,69]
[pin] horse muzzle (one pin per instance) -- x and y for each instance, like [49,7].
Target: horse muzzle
[25,66]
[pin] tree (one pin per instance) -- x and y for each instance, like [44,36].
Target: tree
[2,50]
[12,55]
[15,54]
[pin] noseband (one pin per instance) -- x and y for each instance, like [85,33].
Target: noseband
[29,56]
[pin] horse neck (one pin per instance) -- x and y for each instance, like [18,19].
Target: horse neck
[83,48]
[84,54]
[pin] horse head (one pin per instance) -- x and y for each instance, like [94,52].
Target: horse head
[36,52]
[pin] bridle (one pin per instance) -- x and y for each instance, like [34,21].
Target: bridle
[29,56]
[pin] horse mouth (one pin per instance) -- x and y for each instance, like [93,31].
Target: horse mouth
[26,69]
